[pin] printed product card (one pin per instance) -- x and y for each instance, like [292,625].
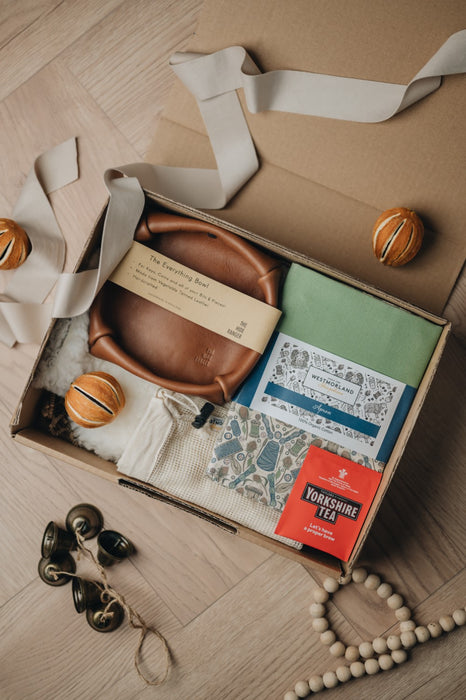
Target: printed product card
[328,396]
[329,503]
[198,298]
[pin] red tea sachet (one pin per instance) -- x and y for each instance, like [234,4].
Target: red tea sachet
[329,502]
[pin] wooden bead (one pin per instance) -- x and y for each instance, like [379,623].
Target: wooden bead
[395,601]
[94,399]
[357,669]
[372,667]
[331,585]
[403,614]
[320,595]
[372,582]
[434,629]
[330,679]
[302,689]
[337,649]
[399,656]
[316,684]
[447,623]
[366,650]
[380,645]
[422,634]
[384,590]
[344,580]
[15,245]
[320,624]
[397,236]
[408,639]
[290,695]
[459,617]
[359,575]
[317,610]
[343,674]
[386,662]
[407,626]
[393,642]
[352,653]
[328,637]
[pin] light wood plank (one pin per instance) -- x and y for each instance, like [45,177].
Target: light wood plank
[123,62]
[57,118]
[434,457]
[44,39]
[16,16]
[49,651]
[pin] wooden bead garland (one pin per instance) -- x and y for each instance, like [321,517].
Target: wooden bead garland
[352,653]
[320,624]
[380,645]
[317,609]
[337,649]
[328,637]
[459,617]
[370,657]
[434,629]
[407,626]
[302,689]
[343,673]
[366,650]
[386,662]
[422,634]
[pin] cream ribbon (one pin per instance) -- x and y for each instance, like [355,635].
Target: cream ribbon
[22,314]
[213,79]
[76,291]
[24,318]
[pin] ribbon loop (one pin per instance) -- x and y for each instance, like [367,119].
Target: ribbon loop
[76,291]
[213,79]
[23,317]
[314,94]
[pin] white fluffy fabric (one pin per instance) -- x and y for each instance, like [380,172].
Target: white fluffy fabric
[66,356]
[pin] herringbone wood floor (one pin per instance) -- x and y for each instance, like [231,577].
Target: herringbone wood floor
[234,614]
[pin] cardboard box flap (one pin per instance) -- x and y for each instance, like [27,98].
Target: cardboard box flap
[323,182]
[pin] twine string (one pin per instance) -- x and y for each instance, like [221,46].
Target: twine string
[110,596]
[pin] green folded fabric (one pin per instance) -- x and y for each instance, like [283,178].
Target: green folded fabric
[356,326]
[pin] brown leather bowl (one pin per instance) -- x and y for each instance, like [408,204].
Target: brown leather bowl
[165,348]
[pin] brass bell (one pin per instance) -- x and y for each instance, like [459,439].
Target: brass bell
[86,519]
[55,540]
[49,566]
[113,547]
[102,621]
[86,594]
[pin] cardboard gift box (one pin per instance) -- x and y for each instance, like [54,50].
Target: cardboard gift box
[321,185]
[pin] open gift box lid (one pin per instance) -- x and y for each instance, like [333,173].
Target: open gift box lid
[323,182]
